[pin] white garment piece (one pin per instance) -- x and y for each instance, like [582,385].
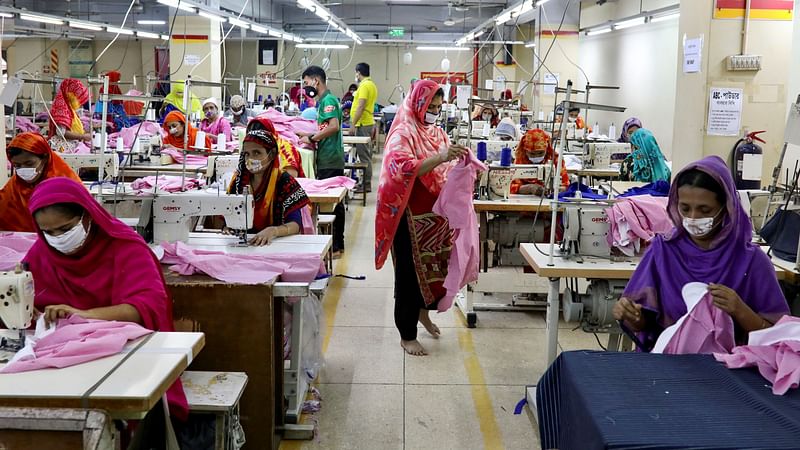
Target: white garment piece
[780,332]
[692,293]
[41,331]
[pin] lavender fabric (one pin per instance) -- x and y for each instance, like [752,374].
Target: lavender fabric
[624,136]
[732,260]
[13,247]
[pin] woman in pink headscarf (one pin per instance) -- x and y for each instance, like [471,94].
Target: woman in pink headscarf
[88,263]
[414,171]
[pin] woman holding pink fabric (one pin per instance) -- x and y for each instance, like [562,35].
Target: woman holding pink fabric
[414,171]
[214,124]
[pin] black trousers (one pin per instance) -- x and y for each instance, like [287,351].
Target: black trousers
[408,300]
[338,222]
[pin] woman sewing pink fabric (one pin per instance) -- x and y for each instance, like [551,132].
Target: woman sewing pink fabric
[87,262]
[214,124]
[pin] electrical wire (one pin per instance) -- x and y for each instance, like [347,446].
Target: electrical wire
[171,28]
[116,36]
[547,21]
[598,342]
[224,38]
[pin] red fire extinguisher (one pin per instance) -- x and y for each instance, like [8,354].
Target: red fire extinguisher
[745,146]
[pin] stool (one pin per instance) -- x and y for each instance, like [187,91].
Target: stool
[361,169]
[325,226]
[217,393]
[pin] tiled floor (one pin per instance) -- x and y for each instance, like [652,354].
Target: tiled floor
[461,396]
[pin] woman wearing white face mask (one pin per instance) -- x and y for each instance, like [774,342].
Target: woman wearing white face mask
[535,148]
[279,199]
[33,161]
[711,243]
[214,124]
[177,129]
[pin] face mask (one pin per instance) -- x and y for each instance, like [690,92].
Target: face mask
[430,118]
[311,91]
[26,173]
[357,80]
[487,117]
[71,240]
[210,114]
[699,227]
[174,131]
[237,112]
[536,160]
[573,119]
[255,165]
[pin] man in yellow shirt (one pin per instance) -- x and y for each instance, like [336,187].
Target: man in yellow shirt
[361,118]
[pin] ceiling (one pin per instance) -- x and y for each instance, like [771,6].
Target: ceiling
[422,20]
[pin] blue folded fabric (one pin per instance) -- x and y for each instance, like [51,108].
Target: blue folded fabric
[586,192]
[658,189]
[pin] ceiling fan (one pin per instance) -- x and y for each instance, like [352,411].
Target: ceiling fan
[449,21]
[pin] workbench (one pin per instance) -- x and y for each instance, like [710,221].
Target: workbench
[146,169]
[352,140]
[126,385]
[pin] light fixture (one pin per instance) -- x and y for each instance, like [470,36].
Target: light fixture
[41,19]
[274,33]
[307,4]
[541,2]
[479,33]
[443,49]
[597,31]
[671,15]
[297,39]
[629,23]
[148,35]
[407,57]
[212,17]
[6,15]
[259,29]
[164,37]
[177,4]
[445,64]
[116,30]
[404,1]
[322,14]
[530,44]
[324,46]
[503,18]
[151,22]
[85,26]
[239,23]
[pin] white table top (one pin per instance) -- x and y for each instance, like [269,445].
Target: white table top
[518,203]
[332,196]
[299,243]
[128,384]
[356,139]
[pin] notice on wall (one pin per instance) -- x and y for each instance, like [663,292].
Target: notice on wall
[488,85]
[463,94]
[724,111]
[550,83]
[692,55]
[191,60]
[268,56]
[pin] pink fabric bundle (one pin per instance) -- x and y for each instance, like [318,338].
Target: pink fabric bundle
[636,219]
[312,186]
[177,156]
[24,124]
[13,247]
[166,183]
[703,329]
[775,351]
[128,135]
[243,269]
[455,204]
[288,126]
[76,340]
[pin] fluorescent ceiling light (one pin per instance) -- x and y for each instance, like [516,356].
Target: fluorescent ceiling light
[404,1]
[212,17]
[85,26]
[41,19]
[541,2]
[239,23]
[147,35]
[119,31]
[597,31]
[259,29]
[456,49]
[324,46]
[530,44]
[480,33]
[151,22]
[164,37]
[274,33]
[6,15]
[307,4]
[179,5]
[322,14]
[297,39]
[668,16]
[629,23]
[503,18]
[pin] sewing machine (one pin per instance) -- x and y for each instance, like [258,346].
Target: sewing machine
[220,165]
[495,183]
[600,155]
[92,160]
[585,229]
[16,308]
[175,215]
[493,147]
[594,309]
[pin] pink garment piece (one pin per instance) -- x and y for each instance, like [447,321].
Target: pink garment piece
[455,204]
[219,126]
[13,247]
[77,340]
[128,135]
[177,156]
[636,219]
[167,183]
[775,351]
[704,329]
[308,221]
[312,186]
[287,127]
[24,124]
[243,269]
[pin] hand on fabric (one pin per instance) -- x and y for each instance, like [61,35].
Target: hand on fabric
[54,312]
[87,137]
[727,299]
[531,189]
[454,152]
[265,236]
[306,140]
[228,231]
[630,312]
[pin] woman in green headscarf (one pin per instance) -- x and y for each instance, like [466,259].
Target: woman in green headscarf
[174,101]
[646,163]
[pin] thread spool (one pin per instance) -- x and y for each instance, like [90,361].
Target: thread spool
[481,151]
[505,157]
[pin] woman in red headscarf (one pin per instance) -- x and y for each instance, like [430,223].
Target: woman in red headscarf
[279,199]
[535,148]
[87,262]
[176,126]
[414,171]
[33,161]
[71,95]
[116,110]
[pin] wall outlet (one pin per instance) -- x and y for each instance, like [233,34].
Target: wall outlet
[744,62]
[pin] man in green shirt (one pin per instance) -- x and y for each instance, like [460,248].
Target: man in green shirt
[362,120]
[328,141]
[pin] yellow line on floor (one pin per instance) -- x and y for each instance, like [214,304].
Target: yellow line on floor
[492,438]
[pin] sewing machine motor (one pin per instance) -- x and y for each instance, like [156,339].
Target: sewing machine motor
[16,305]
[594,309]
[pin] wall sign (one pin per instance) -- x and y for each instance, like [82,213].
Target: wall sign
[692,54]
[724,111]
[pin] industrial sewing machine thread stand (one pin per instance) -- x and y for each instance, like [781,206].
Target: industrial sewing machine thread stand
[16,305]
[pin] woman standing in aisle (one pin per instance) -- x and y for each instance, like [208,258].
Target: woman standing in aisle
[414,171]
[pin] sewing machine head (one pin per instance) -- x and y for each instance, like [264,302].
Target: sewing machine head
[16,304]
[600,155]
[499,178]
[76,162]
[175,215]
[586,227]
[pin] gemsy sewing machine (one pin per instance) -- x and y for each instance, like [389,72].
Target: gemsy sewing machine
[495,183]
[16,305]
[92,160]
[175,215]
[600,155]
[586,227]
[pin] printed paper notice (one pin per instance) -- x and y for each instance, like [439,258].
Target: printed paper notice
[692,55]
[550,83]
[724,111]
[191,60]
[751,167]
[488,85]
[462,96]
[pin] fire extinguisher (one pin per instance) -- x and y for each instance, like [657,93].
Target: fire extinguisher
[745,146]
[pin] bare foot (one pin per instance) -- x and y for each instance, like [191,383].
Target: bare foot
[425,320]
[413,348]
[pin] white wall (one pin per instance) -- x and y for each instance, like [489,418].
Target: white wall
[642,62]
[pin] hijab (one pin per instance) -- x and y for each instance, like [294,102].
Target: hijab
[16,194]
[113,87]
[189,131]
[649,164]
[624,136]
[530,140]
[175,98]
[69,98]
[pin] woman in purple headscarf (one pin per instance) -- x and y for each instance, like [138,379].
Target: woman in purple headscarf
[711,243]
[628,128]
